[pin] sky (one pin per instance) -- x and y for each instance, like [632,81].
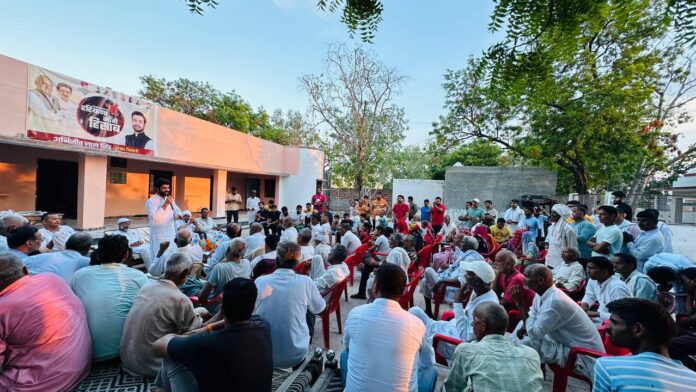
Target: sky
[259,48]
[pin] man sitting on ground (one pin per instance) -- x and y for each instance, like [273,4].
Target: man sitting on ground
[385,349]
[234,266]
[234,230]
[206,225]
[449,274]
[159,309]
[645,328]
[24,241]
[63,263]
[478,275]
[639,284]
[255,239]
[43,331]
[135,240]
[107,289]
[288,302]
[237,350]
[571,273]
[289,231]
[492,362]
[602,288]
[555,323]
[54,234]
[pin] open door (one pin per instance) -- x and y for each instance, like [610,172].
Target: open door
[56,187]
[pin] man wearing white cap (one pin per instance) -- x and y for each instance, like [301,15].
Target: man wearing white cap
[474,212]
[561,235]
[478,276]
[135,240]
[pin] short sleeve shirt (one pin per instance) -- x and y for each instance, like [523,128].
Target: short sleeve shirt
[438,217]
[225,272]
[400,211]
[321,198]
[611,234]
[239,354]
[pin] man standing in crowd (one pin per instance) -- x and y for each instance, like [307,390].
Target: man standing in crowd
[488,209]
[135,241]
[400,210]
[107,289]
[159,309]
[513,215]
[252,206]
[493,363]
[380,207]
[412,208]
[645,328]
[620,202]
[63,263]
[608,239]
[233,202]
[384,344]
[602,288]
[53,234]
[437,214]
[288,302]
[555,323]
[162,212]
[236,350]
[649,242]
[319,201]
[474,212]
[561,235]
[425,211]
[639,284]
[584,230]
[43,331]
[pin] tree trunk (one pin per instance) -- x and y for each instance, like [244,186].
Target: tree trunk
[359,182]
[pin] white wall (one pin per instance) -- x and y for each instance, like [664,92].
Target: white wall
[419,189]
[299,188]
[683,240]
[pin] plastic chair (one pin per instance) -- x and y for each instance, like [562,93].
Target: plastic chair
[334,305]
[424,256]
[357,258]
[406,300]
[437,339]
[303,267]
[438,297]
[561,374]
[205,301]
[578,293]
[540,259]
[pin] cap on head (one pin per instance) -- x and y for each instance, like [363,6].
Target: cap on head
[481,269]
[123,220]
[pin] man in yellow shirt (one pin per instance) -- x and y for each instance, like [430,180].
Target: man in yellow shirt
[501,232]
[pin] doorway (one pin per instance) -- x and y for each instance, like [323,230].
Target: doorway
[253,184]
[56,187]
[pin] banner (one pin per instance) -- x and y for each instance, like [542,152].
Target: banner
[69,111]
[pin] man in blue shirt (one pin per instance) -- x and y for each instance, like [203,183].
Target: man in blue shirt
[649,242]
[608,239]
[531,224]
[63,263]
[584,230]
[425,211]
[645,328]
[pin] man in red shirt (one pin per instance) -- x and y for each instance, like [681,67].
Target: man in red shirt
[319,201]
[400,210]
[507,276]
[437,214]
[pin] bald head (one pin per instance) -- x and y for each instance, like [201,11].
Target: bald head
[80,242]
[10,221]
[11,269]
[255,227]
[234,230]
[539,278]
[183,238]
[495,317]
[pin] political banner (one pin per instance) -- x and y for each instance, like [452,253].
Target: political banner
[69,111]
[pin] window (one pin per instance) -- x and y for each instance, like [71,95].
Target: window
[118,178]
[269,188]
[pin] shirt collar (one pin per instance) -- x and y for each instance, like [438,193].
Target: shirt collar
[549,293]
[493,338]
[284,271]
[386,303]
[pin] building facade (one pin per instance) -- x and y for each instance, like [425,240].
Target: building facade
[89,179]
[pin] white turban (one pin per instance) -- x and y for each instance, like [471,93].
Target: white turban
[186,213]
[562,210]
[399,256]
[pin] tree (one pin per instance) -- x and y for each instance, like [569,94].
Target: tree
[479,152]
[412,162]
[183,95]
[352,101]
[580,113]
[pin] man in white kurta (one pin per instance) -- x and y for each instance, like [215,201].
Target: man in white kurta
[161,213]
[252,205]
[135,240]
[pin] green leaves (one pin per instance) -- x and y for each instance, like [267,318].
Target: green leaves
[196,6]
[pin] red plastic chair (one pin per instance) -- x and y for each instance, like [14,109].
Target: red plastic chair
[425,255]
[334,305]
[561,374]
[406,300]
[541,259]
[437,339]
[357,258]
[303,267]
[205,301]
[578,293]
[438,297]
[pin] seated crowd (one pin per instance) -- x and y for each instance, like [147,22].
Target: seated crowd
[525,288]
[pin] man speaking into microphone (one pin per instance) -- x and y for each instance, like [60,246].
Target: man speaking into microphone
[162,212]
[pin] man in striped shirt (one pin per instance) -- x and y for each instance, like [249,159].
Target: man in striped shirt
[645,328]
